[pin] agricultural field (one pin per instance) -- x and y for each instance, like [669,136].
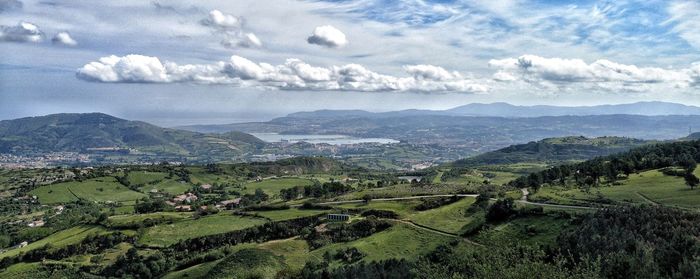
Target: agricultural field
[649,187]
[232,231]
[401,241]
[272,186]
[103,189]
[168,234]
[58,240]
[449,218]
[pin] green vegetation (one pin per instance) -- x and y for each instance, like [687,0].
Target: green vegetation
[103,189]
[167,234]
[273,186]
[449,218]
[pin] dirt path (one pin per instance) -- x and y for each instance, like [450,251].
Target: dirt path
[523,200]
[646,199]
[433,230]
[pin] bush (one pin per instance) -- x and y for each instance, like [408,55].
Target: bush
[501,210]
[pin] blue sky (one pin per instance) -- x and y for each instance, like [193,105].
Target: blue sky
[182,62]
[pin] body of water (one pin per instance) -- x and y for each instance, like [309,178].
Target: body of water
[329,139]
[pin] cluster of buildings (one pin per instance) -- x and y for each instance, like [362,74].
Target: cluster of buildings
[11,161]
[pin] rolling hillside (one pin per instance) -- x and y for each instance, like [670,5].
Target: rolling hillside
[554,150]
[93,132]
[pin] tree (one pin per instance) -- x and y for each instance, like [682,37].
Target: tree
[691,180]
[501,210]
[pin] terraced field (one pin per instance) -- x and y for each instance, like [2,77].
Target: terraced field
[103,189]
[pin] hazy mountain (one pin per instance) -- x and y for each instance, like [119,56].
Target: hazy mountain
[640,108]
[476,109]
[554,150]
[80,132]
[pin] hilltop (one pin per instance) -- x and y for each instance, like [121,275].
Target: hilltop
[554,151]
[92,132]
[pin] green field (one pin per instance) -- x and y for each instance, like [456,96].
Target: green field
[145,177]
[401,241]
[287,214]
[126,220]
[295,251]
[531,230]
[403,208]
[103,189]
[57,240]
[449,218]
[273,186]
[647,187]
[193,272]
[168,234]
[168,185]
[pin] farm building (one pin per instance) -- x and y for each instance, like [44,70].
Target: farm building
[338,217]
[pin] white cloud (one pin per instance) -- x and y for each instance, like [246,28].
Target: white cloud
[63,38]
[686,17]
[294,74]
[22,32]
[328,36]
[221,20]
[232,29]
[601,74]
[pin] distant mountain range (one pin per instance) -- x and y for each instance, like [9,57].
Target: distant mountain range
[554,151]
[508,110]
[474,110]
[95,132]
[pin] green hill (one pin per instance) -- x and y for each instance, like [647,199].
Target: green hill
[554,150]
[97,132]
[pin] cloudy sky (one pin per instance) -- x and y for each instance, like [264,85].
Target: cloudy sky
[184,62]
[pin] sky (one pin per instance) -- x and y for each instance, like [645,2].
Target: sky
[205,62]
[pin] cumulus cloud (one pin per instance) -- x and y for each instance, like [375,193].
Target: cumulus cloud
[602,74]
[219,19]
[294,74]
[63,38]
[247,40]
[10,5]
[22,32]
[327,36]
[232,29]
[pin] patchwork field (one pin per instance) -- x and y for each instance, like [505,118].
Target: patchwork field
[649,187]
[57,240]
[401,241]
[273,186]
[168,234]
[103,189]
[449,218]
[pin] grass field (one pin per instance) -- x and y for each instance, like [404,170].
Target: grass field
[57,240]
[274,185]
[532,230]
[403,208]
[295,251]
[400,241]
[126,220]
[449,218]
[646,187]
[101,189]
[292,213]
[164,235]
[22,271]
[193,272]
[145,177]
[168,185]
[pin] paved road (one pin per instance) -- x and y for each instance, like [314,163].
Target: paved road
[398,199]
[524,200]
